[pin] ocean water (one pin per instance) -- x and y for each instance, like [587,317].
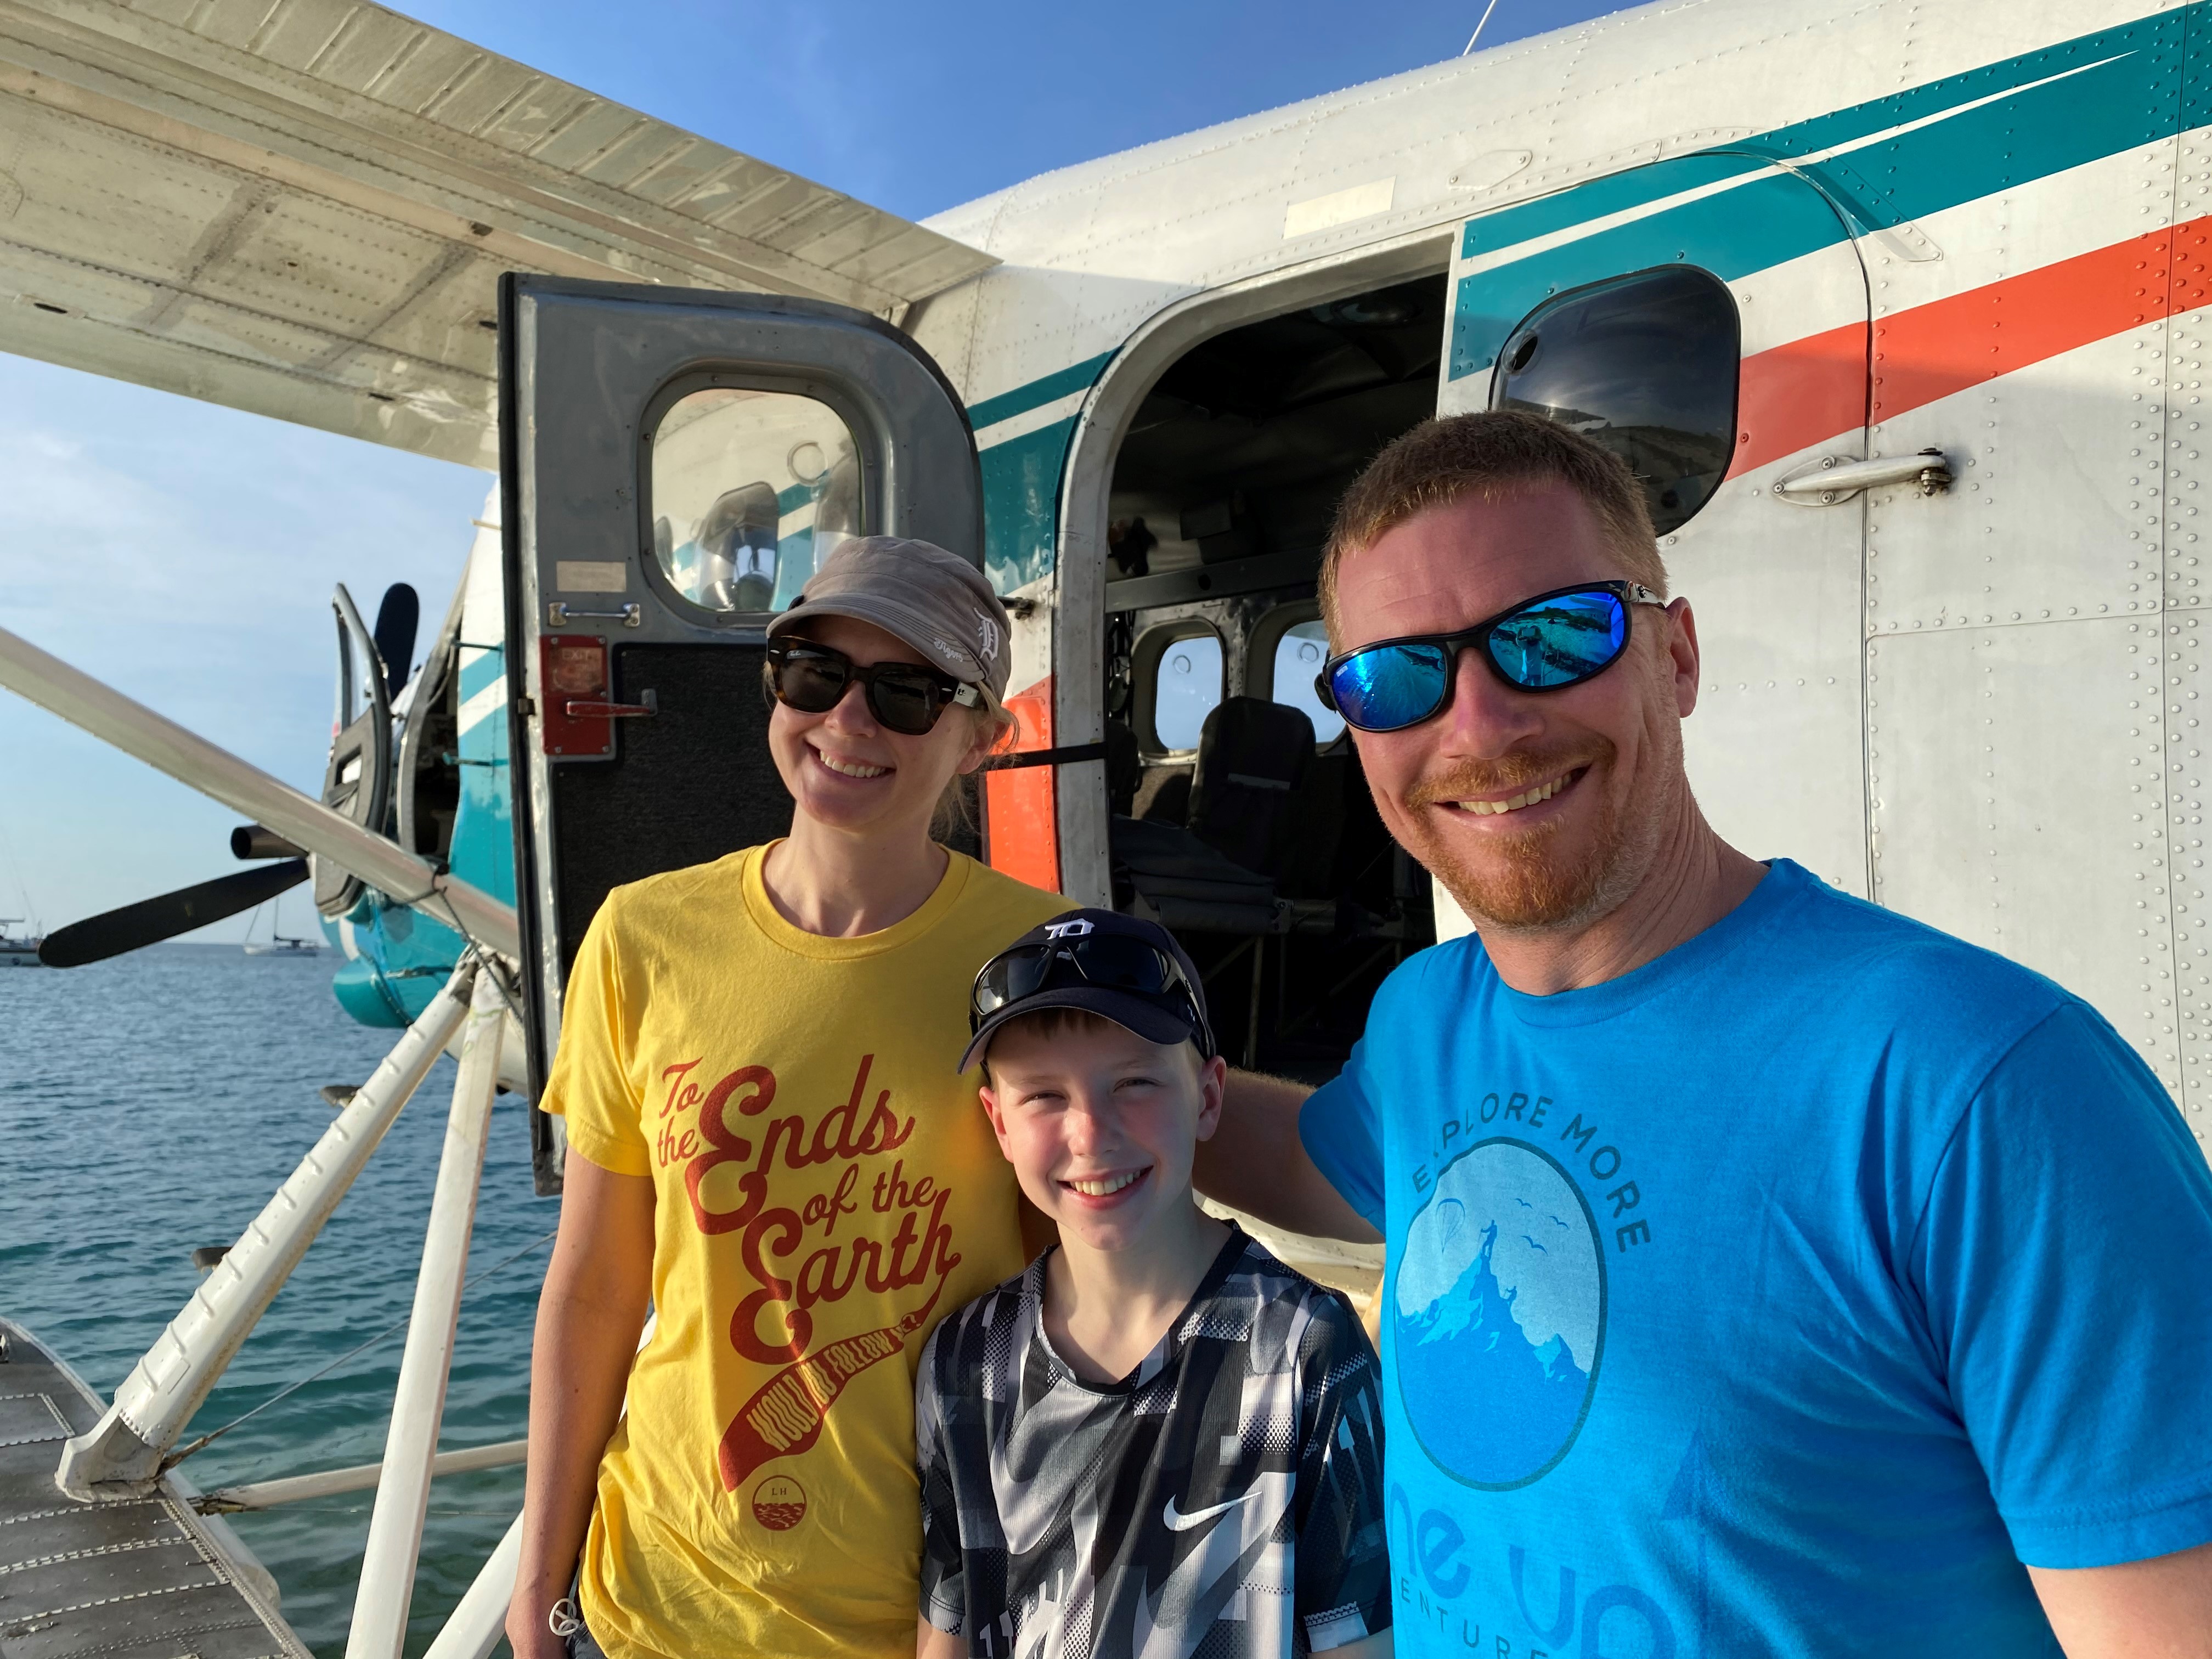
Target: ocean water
[151,1105]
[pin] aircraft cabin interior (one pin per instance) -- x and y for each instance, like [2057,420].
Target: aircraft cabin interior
[1241,817]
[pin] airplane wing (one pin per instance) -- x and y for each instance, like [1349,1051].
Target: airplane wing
[302,207]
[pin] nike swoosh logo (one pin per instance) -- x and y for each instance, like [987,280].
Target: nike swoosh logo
[1185,1522]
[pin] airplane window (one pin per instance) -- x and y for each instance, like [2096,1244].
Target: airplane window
[1298,657]
[749,489]
[1646,366]
[1186,686]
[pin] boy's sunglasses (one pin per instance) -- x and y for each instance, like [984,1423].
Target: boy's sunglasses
[1544,644]
[1111,962]
[903,696]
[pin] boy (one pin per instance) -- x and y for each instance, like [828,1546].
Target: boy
[1158,1439]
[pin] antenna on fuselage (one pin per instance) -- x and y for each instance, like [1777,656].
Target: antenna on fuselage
[1477,35]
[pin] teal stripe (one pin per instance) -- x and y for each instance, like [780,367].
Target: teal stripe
[1021,504]
[2159,36]
[1595,200]
[1748,228]
[483,671]
[2135,99]
[2156,39]
[2132,102]
[789,502]
[1036,394]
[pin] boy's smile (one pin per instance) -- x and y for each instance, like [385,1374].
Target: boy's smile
[1105,1190]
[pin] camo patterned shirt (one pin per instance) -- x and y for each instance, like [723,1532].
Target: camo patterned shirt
[1223,1500]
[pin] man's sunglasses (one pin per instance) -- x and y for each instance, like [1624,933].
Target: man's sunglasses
[903,696]
[1544,644]
[1110,961]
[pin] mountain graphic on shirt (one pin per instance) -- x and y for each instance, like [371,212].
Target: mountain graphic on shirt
[1488,1359]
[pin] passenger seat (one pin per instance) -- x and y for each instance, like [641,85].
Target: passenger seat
[1252,756]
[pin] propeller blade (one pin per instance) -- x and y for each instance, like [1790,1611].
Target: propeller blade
[394,634]
[151,920]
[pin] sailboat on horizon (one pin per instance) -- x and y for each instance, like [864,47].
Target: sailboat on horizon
[18,950]
[277,943]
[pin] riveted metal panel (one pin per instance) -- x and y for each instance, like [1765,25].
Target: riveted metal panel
[471,104]
[539,111]
[1774,750]
[368,46]
[2083,428]
[2187,628]
[299,31]
[432,65]
[233,23]
[640,149]
[2014,777]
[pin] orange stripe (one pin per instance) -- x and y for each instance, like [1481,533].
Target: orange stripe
[1019,810]
[1797,395]
[1803,394]
[1933,351]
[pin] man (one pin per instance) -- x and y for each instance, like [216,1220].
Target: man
[1769,1273]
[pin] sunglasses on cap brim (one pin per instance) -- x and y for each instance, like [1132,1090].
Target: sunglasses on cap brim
[904,696]
[1548,643]
[1109,962]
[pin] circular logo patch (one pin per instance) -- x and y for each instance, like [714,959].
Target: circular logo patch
[778,1503]
[1499,1315]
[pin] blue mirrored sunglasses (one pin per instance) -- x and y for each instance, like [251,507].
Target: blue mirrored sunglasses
[1544,644]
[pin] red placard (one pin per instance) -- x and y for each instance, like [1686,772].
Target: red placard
[573,667]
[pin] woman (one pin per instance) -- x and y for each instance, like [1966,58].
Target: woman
[768,1143]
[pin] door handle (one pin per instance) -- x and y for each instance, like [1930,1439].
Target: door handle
[1832,479]
[558,615]
[582,709]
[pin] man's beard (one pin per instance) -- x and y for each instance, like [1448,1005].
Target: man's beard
[1527,882]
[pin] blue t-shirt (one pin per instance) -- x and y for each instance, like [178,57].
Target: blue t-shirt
[1784,1295]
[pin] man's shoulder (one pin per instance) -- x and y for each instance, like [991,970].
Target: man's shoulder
[1859,957]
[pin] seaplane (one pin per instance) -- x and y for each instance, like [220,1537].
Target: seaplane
[1898,311]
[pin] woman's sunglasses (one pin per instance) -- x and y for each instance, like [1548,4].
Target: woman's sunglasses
[1113,962]
[1544,644]
[903,696]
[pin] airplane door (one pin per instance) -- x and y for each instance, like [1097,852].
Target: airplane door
[357,780]
[1707,318]
[673,464]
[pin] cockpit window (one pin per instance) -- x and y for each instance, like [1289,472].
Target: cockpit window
[750,491]
[1646,366]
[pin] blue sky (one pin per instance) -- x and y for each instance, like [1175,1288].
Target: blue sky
[186,553]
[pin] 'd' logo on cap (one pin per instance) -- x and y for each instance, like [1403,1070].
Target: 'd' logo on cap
[1075,929]
[986,637]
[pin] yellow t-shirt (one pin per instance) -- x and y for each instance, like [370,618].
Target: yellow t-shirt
[826,1189]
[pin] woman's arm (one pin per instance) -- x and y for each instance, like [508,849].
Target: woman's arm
[589,1315]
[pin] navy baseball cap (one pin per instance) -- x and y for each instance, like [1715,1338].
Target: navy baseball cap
[1102,963]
